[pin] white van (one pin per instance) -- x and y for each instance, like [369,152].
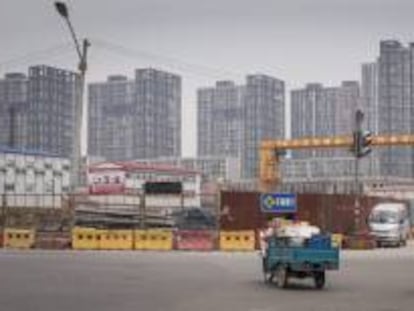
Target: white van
[389,223]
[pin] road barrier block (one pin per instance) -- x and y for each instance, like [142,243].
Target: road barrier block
[153,240]
[359,243]
[237,240]
[86,238]
[52,240]
[116,239]
[159,240]
[337,240]
[140,239]
[19,238]
[197,240]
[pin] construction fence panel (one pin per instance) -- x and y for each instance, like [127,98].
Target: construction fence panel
[333,213]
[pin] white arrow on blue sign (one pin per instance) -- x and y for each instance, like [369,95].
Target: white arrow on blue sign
[278,203]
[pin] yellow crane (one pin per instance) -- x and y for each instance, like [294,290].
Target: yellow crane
[270,151]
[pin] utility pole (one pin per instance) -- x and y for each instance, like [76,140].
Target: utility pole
[362,141]
[359,116]
[82,52]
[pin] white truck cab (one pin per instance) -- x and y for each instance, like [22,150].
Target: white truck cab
[389,223]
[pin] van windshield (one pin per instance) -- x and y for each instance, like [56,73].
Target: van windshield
[384,217]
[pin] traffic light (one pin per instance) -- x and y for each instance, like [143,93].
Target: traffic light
[361,146]
[280,153]
[366,142]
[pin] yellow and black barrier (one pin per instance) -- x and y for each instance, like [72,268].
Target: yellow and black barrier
[157,240]
[85,238]
[237,240]
[19,238]
[116,239]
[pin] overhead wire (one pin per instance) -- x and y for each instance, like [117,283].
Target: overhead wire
[172,62]
[49,53]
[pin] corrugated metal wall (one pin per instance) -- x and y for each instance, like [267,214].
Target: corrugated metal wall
[332,213]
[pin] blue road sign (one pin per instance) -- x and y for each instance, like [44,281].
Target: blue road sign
[278,203]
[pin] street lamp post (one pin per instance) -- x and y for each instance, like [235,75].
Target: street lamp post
[82,52]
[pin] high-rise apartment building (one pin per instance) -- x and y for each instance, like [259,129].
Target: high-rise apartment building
[264,118]
[312,110]
[157,111]
[220,120]
[13,110]
[395,105]
[369,95]
[319,111]
[135,119]
[346,106]
[51,115]
[110,118]
[233,120]
[37,110]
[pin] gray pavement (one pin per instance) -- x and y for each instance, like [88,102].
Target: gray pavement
[380,280]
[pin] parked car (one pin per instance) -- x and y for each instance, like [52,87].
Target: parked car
[194,219]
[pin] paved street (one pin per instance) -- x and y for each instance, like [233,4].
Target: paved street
[380,280]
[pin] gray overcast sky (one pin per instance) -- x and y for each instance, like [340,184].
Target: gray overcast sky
[298,41]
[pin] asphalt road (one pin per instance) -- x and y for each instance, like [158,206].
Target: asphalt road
[380,280]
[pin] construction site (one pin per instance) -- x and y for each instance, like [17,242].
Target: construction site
[164,211]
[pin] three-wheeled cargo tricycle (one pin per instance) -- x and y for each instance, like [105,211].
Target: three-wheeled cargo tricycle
[284,259]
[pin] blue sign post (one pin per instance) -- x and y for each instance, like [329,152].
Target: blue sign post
[278,203]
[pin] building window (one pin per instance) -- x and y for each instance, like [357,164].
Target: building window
[29,187]
[20,171]
[9,187]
